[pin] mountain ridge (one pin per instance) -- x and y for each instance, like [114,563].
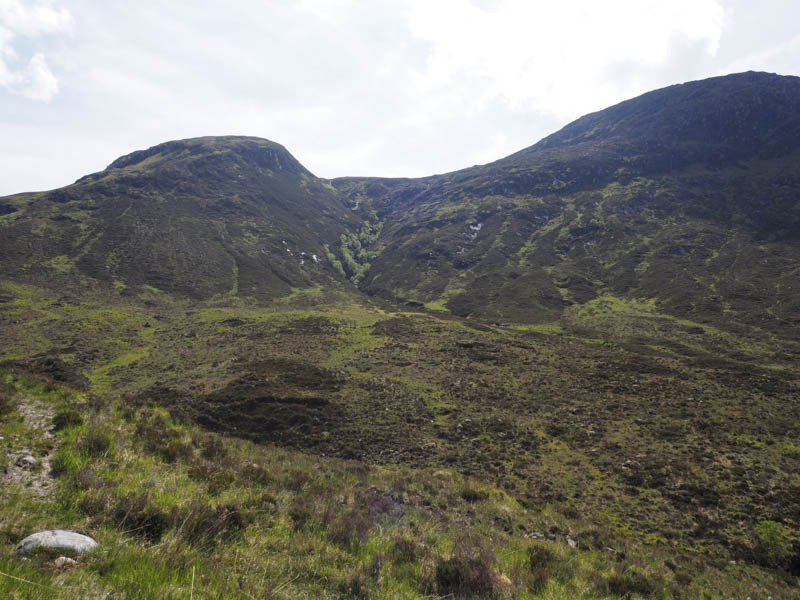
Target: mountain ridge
[577,215]
[599,190]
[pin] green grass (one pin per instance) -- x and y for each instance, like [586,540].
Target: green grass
[666,453]
[242,520]
[101,377]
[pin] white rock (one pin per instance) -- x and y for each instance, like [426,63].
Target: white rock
[56,539]
[64,561]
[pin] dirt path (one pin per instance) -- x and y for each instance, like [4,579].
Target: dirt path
[29,454]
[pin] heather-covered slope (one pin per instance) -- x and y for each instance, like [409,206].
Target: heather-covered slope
[686,195]
[202,218]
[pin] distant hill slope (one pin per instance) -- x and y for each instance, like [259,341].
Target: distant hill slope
[689,195]
[200,217]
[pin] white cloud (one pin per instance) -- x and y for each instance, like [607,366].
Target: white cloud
[547,56]
[38,158]
[34,18]
[30,20]
[37,81]
[6,53]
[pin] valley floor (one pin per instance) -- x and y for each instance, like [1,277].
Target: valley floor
[339,450]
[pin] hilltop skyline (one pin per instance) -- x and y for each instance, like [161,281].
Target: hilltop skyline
[396,88]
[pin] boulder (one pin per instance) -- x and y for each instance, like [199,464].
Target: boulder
[57,540]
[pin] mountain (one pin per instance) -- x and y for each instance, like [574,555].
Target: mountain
[202,218]
[572,372]
[687,195]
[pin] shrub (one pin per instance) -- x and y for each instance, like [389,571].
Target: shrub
[596,539]
[205,525]
[253,473]
[349,530]
[261,504]
[355,586]
[217,478]
[541,563]
[162,440]
[468,572]
[297,479]
[772,544]
[151,433]
[471,495]
[6,406]
[630,582]
[6,403]
[176,450]
[87,479]
[97,403]
[300,512]
[96,442]
[66,418]
[138,517]
[376,564]
[404,550]
[93,503]
[211,447]
[62,463]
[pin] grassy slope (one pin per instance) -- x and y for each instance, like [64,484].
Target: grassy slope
[686,194]
[651,426]
[178,510]
[201,218]
[709,243]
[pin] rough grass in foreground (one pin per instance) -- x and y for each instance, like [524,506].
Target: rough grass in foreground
[215,517]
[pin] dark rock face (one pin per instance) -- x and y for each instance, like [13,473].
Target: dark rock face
[26,462]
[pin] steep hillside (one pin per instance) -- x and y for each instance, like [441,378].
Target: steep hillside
[205,217]
[686,195]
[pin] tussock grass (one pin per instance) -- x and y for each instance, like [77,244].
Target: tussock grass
[225,518]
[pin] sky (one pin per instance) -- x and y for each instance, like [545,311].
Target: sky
[350,87]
